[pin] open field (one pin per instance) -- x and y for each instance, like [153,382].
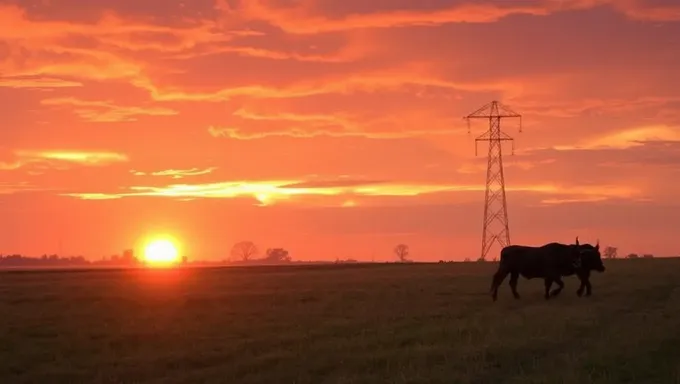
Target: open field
[419,323]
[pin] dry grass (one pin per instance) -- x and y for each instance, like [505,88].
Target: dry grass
[429,323]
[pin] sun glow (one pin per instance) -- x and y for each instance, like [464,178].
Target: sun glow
[161,252]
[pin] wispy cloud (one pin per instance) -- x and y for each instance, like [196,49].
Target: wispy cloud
[32,82]
[177,173]
[270,192]
[41,160]
[300,133]
[9,188]
[309,125]
[84,158]
[312,18]
[107,111]
[626,138]
[301,20]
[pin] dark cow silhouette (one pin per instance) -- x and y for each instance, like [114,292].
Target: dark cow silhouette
[549,262]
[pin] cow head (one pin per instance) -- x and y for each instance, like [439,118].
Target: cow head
[590,257]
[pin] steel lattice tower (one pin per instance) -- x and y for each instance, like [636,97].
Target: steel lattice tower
[495,204]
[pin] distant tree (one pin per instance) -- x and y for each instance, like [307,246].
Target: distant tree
[610,252]
[632,256]
[277,255]
[243,250]
[467,260]
[481,260]
[647,256]
[402,252]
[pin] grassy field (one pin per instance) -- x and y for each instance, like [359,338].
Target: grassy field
[420,323]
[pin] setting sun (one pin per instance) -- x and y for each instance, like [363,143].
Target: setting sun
[161,252]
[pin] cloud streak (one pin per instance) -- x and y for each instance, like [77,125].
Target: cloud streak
[177,173]
[39,161]
[107,111]
[271,192]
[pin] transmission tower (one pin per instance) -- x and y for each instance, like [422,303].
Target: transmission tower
[495,205]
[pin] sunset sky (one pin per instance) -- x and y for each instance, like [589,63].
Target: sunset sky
[333,128]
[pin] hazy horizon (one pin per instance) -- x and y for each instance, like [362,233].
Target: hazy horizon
[334,129]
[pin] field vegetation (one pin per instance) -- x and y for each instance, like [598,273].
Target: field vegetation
[371,323]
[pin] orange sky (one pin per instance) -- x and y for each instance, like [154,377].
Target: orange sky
[334,128]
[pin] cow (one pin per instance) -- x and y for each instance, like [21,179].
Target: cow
[549,262]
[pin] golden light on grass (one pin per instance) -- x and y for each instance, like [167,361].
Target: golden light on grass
[161,252]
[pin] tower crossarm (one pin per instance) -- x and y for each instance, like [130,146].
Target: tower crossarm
[493,109]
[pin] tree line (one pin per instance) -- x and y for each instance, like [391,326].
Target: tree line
[243,252]
[16,260]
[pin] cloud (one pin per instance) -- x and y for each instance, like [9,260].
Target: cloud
[36,50]
[350,190]
[107,111]
[313,17]
[578,107]
[645,10]
[619,152]
[242,134]
[620,139]
[41,160]
[332,183]
[630,137]
[177,173]
[387,79]
[372,124]
[84,158]
[110,29]
[10,188]
[300,20]
[37,82]
[263,53]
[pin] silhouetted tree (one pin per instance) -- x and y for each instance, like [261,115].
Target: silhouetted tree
[243,250]
[610,252]
[277,255]
[402,252]
[647,256]
[632,256]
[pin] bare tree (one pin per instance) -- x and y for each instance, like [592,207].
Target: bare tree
[243,250]
[610,252]
[401,251]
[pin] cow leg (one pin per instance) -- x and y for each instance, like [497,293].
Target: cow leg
[560,286]
[548,282]
[584,277]
[514,277]
[497,280]
[588,287]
